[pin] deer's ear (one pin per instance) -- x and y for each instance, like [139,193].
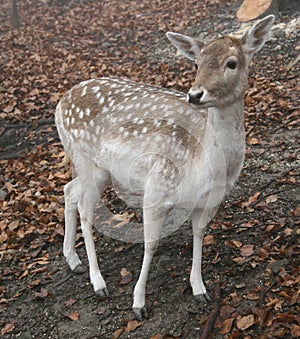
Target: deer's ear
[256,37]
[188,46]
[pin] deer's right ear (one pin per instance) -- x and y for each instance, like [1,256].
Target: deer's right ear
[189,47]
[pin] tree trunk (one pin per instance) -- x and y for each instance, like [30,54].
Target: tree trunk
[253,9]
[14,14]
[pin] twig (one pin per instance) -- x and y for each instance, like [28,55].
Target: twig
[209,325]
[293,62]
[280,176]
[22,124]
[283,125]
[62,281]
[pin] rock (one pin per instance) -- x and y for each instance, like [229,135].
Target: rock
[276,265]
[3,194]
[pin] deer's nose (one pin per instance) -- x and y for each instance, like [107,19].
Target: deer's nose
[195,97]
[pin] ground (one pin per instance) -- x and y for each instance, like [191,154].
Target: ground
[251,249]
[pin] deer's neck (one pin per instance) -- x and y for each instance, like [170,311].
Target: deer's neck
[225,142]
[227,123]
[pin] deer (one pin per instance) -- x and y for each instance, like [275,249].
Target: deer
[179,151]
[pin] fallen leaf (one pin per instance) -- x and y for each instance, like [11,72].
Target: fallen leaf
[100,310]
[126,276]
[288,231]
[157,336]
[208,240]
[251,200]
[247,250]
[285,318]
[295,331]
[119,249]
[296,211]
[263,253]
[13,225]
[24,274]
[70,302]
[132,325]
[35,282]
[271,198]
[233,243]
[7,328]
[253,141]
[252,296]
[244,322]
[42,294]
[227,326]
[124,271]
[116,334]
[74,316]
[239,260]
[126,279]
[10,107]
[237,243]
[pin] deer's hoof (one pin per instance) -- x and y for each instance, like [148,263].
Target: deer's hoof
[203,298]
[103,292]
[140,313]
[79,269]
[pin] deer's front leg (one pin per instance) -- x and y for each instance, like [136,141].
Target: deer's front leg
[154,218]
[199,221]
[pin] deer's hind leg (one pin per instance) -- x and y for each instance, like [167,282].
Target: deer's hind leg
[92,188]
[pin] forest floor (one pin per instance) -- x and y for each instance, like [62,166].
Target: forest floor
[251,261]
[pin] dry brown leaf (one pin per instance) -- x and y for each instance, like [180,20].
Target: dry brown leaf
[157,336]
[239,260]
[252,296]
[247,250]
[244,322]
[119,249]
[271,198]
[24,274]
[251,200]
[70,302]
[74,316]
[124,271]
[126,276]
[295,331]
[227,325]
[42,294]
[132,325]
[13,225]
[237,243]
[208,240]
[116,334]
[10,107]
[7,328]
[263,253]
[252,141]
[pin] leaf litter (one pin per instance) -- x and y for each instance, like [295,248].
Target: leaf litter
[252,246]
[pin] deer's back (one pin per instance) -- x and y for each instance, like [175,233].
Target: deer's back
[107,112]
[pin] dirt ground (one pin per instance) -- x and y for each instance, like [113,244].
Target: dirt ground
[251,250]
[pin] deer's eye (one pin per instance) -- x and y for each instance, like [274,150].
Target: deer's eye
[196,66]
[231,64]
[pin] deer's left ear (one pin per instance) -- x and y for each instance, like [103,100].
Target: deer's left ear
[256,37]
[188,46]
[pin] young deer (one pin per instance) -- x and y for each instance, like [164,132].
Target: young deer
[177,153]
